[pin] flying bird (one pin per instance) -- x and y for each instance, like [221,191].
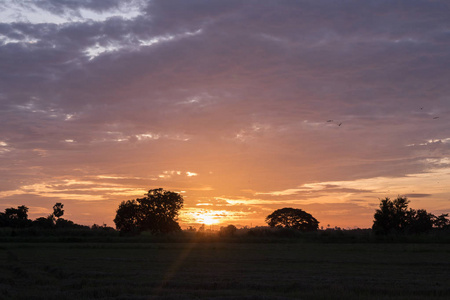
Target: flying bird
[435,118]
[340,124]
[329,121]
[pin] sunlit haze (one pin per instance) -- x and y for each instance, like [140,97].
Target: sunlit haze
[242,107]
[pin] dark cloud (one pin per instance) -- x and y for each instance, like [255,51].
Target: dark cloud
[418,195]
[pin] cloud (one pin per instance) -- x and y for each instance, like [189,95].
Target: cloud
[238,92]
[417,195]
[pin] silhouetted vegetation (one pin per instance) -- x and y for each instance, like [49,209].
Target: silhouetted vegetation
[394,217]
[15,217]
[157,213]
[292,218]
[54,258]
[153,219]
[15,225]
[229,230]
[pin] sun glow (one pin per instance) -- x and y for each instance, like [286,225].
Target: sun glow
[207,219]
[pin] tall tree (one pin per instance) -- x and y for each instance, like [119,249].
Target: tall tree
[393,216]
[58,210]
[157,212]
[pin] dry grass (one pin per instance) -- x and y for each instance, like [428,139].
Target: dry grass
[218,270]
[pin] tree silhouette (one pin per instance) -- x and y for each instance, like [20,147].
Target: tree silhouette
[58,210]
[157,212]
[442,221]
[292,218]
[393,216]
[15,217]
[420,221]
[126,219]
[229,230]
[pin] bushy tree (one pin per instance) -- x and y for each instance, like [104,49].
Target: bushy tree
[420,221]
[229,230]
[127,216]
[15,217]
[44,222]
[442,222]
[157,212]
[393,216]
[292,218]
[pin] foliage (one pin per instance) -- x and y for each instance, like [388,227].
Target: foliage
[18,218]
[442,222]
[15,217]
[393,216]
[44,222]
[157,212]
[58,210]
[292,218]
[229,230]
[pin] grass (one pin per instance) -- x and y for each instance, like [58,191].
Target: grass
[221,270]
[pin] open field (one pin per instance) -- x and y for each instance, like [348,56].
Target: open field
[218,270]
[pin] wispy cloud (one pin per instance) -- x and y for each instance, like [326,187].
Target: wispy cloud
[234,95]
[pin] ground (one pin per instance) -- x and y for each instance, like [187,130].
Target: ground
[219,270]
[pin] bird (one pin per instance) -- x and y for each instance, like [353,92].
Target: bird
[340,124]
[329,121]
[421,108]
[435,118]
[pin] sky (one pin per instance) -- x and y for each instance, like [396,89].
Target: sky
[242,107]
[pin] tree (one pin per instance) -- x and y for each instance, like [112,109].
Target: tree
[393,216]
[44,222]
[15,217]
[126,219]
[157,212]
[441,222]
[58,210]
[292,218]
[229,230]
[421,221]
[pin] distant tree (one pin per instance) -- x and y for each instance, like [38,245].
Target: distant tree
[420,221]
[229,230]
[44,222]
[442,222]
[4,222]
[19,213]
[63,223]
[191,229]
[292,218]
[157,212]
[127,216]
[58,210]
[15,217]
[393,216]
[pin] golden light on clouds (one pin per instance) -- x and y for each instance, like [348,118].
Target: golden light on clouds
[328,123]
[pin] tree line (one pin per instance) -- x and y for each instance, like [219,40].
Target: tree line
[158,212]
[17,218]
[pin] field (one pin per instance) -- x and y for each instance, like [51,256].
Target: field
[220,270]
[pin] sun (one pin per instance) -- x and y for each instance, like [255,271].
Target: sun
[207,219]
